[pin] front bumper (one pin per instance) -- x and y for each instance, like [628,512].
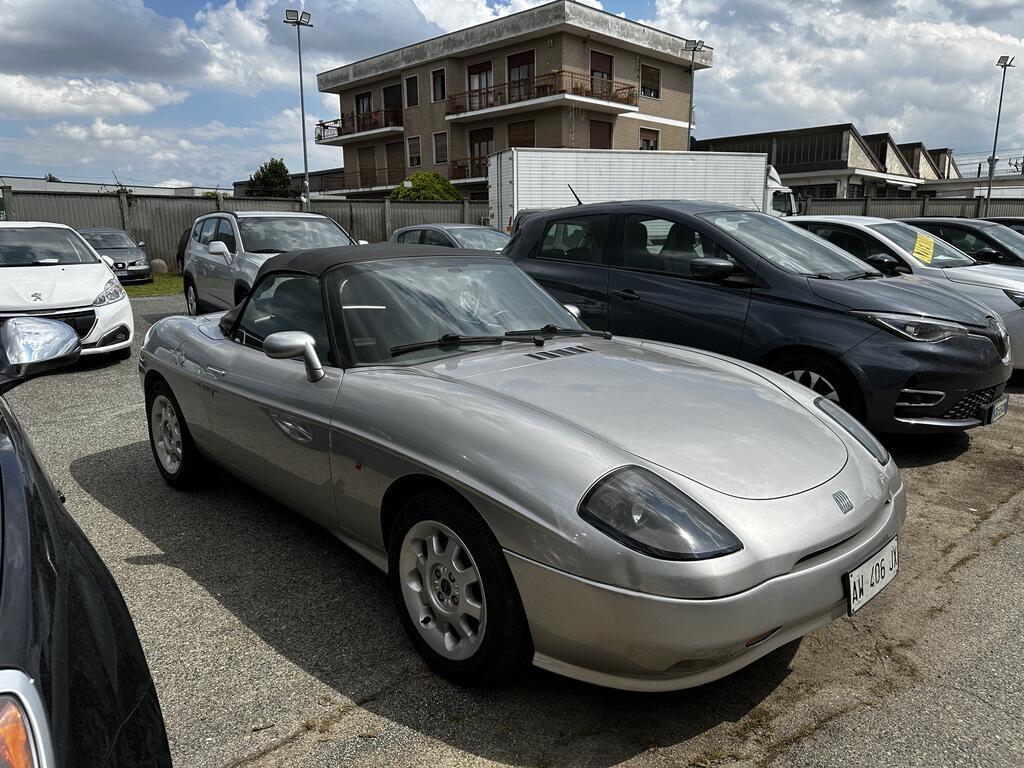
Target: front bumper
[113,321]
[637,641]
[1014,322]
[964,373]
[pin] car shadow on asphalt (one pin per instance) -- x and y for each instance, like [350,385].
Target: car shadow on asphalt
[926,450]
[327,610]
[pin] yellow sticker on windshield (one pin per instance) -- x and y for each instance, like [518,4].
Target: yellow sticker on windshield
[924,248]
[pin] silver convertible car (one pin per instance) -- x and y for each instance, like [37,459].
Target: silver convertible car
[625,512]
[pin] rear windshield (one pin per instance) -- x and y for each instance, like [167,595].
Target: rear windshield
[42,247]
[787,246]
[105,240]
[923,246]
[479,238]
[276,234]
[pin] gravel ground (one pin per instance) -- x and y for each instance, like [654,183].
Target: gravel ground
[273,645]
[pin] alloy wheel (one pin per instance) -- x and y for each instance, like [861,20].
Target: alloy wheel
[166,432]
[442,590]
[191,302]
[816,382]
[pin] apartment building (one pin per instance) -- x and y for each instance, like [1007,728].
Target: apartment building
[557,75]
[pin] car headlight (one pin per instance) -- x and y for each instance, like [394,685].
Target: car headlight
[646,513]
[1017,297]
[111,292]
[15,738]
[916,327]
[857,430]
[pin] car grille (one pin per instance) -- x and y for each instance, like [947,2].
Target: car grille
[563,352]
[967,406]
[82,320]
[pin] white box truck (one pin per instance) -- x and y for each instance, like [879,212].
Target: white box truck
[523,179]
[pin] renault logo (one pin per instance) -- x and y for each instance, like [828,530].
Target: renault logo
[37,297]
[842,501]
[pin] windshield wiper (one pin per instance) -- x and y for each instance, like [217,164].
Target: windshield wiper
[267,250]
[863,275]
[822,276]
[555,330]
[448,341]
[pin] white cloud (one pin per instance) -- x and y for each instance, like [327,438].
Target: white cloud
[26,96]
[174,183]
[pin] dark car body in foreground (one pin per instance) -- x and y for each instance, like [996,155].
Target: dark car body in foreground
[130,262]
[75,689]
[987,241]
[901,354]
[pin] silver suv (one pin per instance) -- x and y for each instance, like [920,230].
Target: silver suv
[225,251]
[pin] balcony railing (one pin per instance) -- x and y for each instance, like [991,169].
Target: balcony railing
[348,125]
[362,179]
[467,168]
[563,81]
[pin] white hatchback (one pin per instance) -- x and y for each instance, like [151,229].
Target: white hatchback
[49,270]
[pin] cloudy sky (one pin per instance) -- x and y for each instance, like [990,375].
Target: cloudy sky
[202,92]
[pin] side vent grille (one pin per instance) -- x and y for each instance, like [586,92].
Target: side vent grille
[563,352]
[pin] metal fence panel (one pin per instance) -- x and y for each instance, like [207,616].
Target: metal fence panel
[75,209]
[1002,206]
[833,207]
[160,222]
[412,213]
[277,204]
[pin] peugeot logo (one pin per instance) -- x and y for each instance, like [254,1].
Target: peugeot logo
[37,297]
[842,501]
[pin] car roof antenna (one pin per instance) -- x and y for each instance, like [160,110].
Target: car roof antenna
[578,201]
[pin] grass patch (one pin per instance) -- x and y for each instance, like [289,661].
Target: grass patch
[162,285]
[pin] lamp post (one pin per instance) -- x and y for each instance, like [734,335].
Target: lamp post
[300,20]
[1005,62]
[694,46]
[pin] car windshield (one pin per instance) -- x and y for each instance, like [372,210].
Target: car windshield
[923,246]
[788,247]
[1010,239]
[105,240]
[276,234]
[42,247]
[388,303]
[479,238]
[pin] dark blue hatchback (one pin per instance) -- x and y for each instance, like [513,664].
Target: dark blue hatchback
[901,354]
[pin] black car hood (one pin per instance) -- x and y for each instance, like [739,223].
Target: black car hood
[905,294]
[126,255]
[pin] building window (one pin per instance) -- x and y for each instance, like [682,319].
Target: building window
[520,76]
[441,148]
[650,82]
[480,77]
[412,91]
[648,138]
[437,85]
[415,158]
[522,134]
[481,144]
[602,69]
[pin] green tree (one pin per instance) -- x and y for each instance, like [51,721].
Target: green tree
[426,185]
[51,177]
[271,180]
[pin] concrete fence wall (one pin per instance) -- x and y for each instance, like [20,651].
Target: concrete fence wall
[903,207]
[160,221]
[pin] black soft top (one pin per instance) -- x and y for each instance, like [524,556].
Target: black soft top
[319,260]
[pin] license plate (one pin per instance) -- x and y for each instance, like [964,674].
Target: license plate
[122,273]
[995,411]
[868,579]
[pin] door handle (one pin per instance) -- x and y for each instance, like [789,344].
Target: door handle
[213,371]
[627,294]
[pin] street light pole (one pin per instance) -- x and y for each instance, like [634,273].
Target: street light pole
[1005,62]
[694,46]
[299,21]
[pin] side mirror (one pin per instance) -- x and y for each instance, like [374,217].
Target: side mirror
[988,255]
[107,260]
[287,345]
[573,310]
[217,248]
[142,243]
[362,242]
[884,263]
[712,270]
[30,346]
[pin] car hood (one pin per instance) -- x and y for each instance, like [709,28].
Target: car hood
[907,294]
[988,275]
[718,422]
[56,287]
[126,255]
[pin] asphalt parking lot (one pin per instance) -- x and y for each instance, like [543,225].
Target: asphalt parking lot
[271,644]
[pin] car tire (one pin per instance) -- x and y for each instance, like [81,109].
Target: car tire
[442,554]
[191,298]
[825,378]
[122,354]
[174,451]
